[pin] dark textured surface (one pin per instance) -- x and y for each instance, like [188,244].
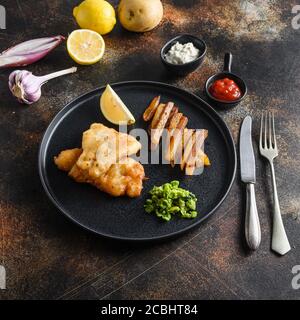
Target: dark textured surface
[46,256]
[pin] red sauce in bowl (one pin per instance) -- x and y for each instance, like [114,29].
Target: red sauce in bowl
[225,89]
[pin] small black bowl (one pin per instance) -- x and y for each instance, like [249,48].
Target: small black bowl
[226,74]
[184,69]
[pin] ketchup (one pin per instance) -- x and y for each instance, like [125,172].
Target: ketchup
[225,89]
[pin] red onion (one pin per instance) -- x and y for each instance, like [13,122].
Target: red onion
[29,51]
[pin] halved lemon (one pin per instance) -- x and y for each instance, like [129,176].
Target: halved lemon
[85,46]
[114,109]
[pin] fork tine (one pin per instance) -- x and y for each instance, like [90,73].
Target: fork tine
[266,128]
[270,130]
[261,130]
[274,134]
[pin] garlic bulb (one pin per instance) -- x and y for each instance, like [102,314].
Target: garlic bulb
[26,87]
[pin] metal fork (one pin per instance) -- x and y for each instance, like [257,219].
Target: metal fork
[268,149]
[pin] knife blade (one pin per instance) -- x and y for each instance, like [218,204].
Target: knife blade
[248,176]
[246,152]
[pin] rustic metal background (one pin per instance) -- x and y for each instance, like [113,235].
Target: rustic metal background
[46,256]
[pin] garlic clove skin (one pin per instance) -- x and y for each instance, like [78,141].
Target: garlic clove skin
[25,86]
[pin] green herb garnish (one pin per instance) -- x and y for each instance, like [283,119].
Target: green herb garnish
[169,200]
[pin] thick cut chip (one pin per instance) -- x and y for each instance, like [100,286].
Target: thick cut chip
[177,138]
[149,112]
[157,115]
[158,130]
[172,113]
[195,159]
[188,142]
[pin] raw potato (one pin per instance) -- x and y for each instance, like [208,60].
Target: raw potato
[140,15]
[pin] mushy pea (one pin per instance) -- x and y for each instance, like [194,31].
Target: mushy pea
[169,200]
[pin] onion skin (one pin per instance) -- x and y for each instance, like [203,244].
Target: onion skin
[28,52]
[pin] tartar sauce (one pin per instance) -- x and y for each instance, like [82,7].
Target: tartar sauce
[182,53]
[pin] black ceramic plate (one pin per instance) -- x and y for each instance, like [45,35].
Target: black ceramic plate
[124,218]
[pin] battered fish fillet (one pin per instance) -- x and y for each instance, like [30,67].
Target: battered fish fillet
[67,159]
[103,162]
[102,147]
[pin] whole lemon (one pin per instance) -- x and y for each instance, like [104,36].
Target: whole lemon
[96,15]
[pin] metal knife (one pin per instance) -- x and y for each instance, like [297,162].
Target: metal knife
[248,176]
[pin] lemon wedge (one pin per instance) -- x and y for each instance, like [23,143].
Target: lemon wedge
[114,109]
[85,46]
